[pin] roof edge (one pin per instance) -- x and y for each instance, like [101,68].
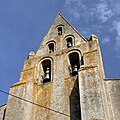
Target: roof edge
[3,105]
[72,26]
[111,79]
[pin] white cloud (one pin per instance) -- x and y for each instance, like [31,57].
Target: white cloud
[67,2]
[97,16]
[73,2]
[74,13]
[74,8]
[116,26]
[103,12]
[99,10]
[116,7]
[106,40]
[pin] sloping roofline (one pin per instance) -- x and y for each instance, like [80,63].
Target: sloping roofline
[3,105]
[68,24]
[71,26]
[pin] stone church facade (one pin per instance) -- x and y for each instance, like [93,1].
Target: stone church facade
[64,80]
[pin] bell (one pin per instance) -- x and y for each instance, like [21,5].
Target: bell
[50,51]
[75,70]
[47,74]
[69,44]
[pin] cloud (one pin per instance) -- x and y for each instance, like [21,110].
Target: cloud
[116,27]
[116,7]
[106,40]
[74,8]
[101,17]
[98,10]
[74,13]
[103,12]
[73,2]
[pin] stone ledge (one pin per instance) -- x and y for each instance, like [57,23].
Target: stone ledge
[27,69]
[90,52]
[71,77]
[86,67]
[18,83]
[112,79]
[3,105]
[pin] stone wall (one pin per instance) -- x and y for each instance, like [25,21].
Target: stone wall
[92,94]
[17,107]
[65,97]
[3,111]
[61,95]
[113,97]
[52,35]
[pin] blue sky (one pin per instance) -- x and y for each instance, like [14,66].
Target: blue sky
[24,23]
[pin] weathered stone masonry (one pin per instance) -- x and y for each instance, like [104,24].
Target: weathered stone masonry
[65,76]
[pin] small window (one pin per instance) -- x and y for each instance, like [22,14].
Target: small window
[60,30]
[69,42]
[51,47]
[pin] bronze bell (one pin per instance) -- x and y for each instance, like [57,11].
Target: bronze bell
[47,74]
[69,44]
[75,70]
[51,50]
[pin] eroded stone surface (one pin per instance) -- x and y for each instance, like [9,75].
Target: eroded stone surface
[113,97]
[3,111]
[85,96]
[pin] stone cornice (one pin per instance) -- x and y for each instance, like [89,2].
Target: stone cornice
[90,52]
[27,69]
[111,79]
[86,67]
[3,105]
[18,83]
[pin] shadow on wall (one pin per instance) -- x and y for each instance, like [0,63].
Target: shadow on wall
[4,114]
[75,112]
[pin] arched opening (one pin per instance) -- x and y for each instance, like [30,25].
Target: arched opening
[51,47]
[74,60]
[69,42]
[60,31]
[46,65]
